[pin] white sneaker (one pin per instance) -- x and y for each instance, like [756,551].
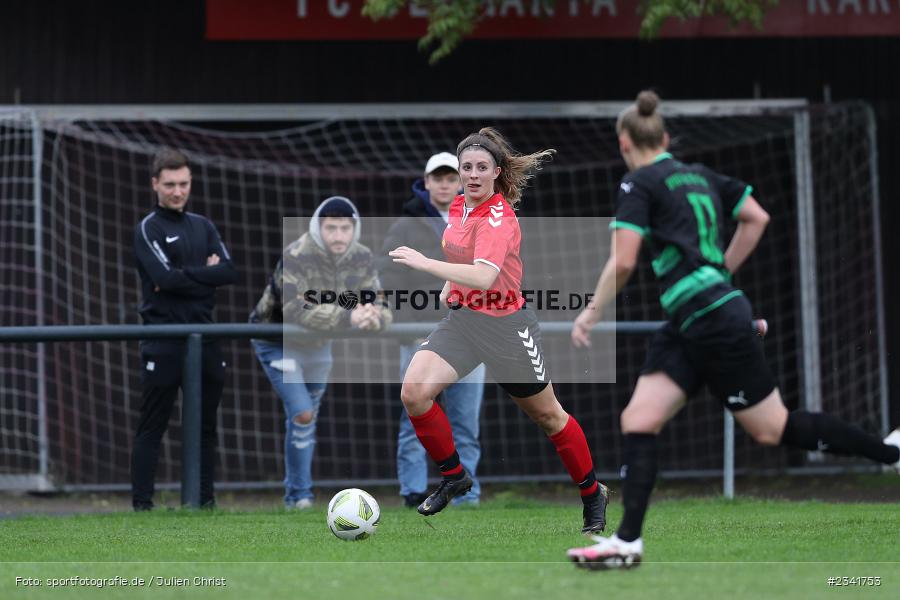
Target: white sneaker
[893,439]
[608,553]
[302,504]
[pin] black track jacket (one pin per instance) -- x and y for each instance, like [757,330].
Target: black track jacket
[171,248]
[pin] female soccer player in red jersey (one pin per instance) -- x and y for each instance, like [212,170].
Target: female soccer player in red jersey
[708,338]
[490,323]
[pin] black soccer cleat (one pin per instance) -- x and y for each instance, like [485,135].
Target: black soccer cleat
[446,491]
[595,510]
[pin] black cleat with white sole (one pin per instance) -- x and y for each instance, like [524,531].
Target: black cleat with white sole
[595,510]
[446,491]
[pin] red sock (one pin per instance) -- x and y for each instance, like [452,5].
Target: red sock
[572,448]
[433,430]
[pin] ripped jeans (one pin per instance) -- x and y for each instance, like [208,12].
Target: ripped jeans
[306,370]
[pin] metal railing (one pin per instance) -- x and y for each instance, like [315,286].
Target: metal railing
[191,374]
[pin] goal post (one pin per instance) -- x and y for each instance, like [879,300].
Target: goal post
[67,410]
[881,319]
[806,246]
[23,410]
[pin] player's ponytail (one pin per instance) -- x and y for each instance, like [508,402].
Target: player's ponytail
[643,121]
[515,169]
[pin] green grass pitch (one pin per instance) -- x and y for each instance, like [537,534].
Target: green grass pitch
[506,548]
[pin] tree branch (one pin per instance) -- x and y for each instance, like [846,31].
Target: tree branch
[450,22]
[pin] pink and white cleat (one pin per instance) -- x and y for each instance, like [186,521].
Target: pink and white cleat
[608,553]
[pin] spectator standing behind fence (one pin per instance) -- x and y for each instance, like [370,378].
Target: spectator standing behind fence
[327,258]
[422,226]
[181,260]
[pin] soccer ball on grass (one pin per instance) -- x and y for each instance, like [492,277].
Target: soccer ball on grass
[353,514]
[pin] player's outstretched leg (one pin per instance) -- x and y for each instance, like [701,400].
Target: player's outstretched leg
[770,423]
[821,431]
[572,447]
[433,430]
[427,375]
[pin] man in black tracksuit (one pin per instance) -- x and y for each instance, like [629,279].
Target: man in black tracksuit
[181,261]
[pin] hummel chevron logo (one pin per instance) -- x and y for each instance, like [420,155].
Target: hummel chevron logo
[169,240]
[496,214]
[540,374]
[538,362]
[532,353]
[529,343]
[626,186]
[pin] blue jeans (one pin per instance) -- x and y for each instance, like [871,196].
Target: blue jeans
[462,403]
[309,367]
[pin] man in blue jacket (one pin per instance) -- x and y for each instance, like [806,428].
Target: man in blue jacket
[422,227]
[181,260]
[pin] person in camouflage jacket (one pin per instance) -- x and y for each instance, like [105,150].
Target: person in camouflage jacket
[325,280]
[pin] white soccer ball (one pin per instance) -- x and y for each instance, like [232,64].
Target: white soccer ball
[353,514]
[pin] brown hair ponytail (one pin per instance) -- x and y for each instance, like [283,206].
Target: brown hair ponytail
[515,169]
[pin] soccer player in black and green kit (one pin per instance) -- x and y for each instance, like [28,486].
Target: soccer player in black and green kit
[678,209]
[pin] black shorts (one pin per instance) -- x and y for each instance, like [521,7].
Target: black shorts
[720,349]
[509,346]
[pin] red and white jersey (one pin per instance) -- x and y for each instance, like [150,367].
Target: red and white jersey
[490,234]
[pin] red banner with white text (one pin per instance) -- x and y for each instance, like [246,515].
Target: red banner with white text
[536,19]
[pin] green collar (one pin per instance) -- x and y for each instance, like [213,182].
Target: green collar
[662,156]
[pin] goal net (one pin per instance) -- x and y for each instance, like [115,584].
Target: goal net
[67,410]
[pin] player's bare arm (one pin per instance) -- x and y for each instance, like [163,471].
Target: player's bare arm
[625,247]
[478,276]
[752,222]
